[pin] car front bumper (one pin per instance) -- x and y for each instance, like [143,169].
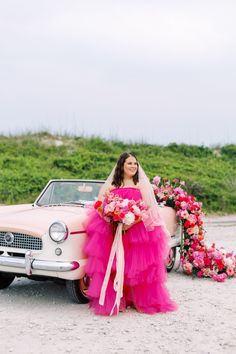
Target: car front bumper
[29,263]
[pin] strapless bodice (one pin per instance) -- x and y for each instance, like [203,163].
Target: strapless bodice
[128,192]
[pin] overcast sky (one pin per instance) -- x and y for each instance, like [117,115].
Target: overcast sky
[141,70]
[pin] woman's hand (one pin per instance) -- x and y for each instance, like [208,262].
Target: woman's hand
[127,227]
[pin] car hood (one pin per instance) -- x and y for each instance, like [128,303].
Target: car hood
[35,220]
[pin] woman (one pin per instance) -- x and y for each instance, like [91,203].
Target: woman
[145,250]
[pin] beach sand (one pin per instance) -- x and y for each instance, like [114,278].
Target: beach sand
[38,317]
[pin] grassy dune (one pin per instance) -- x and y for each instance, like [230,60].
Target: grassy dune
[28,161]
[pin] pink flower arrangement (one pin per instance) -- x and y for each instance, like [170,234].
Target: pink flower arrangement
[157,180]
[116,209]
[196,258]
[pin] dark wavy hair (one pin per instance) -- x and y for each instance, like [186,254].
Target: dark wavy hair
[119,171]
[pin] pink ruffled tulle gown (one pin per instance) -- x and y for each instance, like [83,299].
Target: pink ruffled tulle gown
[145,272]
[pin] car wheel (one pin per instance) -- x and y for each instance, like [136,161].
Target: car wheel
[6,280]
[77,289]
[171,259]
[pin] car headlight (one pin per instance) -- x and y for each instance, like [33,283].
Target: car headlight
[58,231]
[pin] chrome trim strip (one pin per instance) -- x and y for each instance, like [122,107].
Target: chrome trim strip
[36,264]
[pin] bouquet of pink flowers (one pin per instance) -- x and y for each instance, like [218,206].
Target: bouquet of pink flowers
[196,257]
[116,209]
[119,212]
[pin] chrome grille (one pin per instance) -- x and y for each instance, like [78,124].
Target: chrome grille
[21,241]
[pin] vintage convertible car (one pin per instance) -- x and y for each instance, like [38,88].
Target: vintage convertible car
[45,239]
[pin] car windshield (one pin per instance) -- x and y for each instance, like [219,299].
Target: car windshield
[70,192]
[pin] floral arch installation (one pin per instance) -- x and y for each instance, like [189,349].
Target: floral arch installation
[196,258]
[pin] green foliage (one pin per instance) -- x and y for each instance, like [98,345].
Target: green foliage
[190,150]
[28,161]
[229,151]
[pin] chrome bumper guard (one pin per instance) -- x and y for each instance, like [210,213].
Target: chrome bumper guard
[29,263]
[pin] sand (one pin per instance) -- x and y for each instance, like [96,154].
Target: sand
[38,317]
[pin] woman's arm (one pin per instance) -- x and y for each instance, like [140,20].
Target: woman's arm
[101,195]
[104,192]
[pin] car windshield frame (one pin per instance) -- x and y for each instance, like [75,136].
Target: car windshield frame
[52,184]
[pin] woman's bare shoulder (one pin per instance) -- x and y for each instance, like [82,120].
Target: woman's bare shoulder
[110,188]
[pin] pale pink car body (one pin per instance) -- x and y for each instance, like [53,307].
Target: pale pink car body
[35,221]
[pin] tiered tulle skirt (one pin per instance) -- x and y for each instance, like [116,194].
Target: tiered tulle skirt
[145,273]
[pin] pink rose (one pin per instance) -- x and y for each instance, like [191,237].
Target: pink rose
[230,271]
[192,218]
[178,190]
[193,230]
[198,254]
[229,262]
[183,214]
[217,255]
[184,205]
[157,180]
[219,277]
[160,195]
[109,208]
[187,267]
[190,230]
[198,262]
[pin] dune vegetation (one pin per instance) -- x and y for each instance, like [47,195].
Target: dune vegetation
[29,160]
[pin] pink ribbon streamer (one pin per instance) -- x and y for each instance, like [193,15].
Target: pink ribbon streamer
[118,250]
